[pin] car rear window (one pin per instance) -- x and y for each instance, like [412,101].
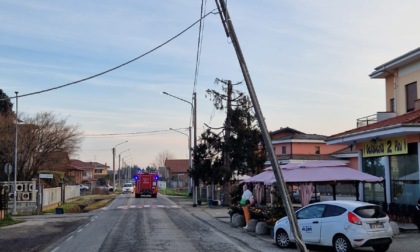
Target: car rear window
[370,212]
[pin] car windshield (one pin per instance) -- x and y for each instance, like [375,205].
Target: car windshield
[127,185]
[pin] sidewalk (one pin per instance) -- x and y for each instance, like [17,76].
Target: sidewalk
[210,213]
[221,213]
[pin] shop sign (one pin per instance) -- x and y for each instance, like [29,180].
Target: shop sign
[385,147]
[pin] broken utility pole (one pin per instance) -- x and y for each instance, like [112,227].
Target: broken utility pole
[230,32]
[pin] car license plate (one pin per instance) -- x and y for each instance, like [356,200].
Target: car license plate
[377,225]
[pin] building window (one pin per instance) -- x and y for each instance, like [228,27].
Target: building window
[392,105]
[317,150]
[374,192]
[98,170]
[84,174]
[283,150]
[411,95]
[405,176]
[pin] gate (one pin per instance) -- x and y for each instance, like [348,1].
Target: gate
[4,200]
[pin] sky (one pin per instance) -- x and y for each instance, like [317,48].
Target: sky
[309,62]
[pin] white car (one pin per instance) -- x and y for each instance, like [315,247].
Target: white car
[342,224]
[84,187]
[128,188]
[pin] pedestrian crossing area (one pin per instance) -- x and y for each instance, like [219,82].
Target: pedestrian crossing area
[148,206]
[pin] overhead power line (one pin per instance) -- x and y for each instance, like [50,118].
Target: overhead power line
[200,43]
[116,67]
[153,132]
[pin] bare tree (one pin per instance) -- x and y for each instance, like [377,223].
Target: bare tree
[7,142]
[40,136]
[161,158]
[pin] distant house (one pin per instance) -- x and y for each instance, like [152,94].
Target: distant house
[59,161]
[177,170]
[99,170]
[91,170]
[86,167]
[291,146]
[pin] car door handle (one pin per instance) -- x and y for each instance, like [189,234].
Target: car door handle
[315,222]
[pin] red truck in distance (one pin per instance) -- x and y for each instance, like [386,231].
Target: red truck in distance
[146,184]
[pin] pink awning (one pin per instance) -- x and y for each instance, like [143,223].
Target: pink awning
[267,177]
[315,171]
[327,174]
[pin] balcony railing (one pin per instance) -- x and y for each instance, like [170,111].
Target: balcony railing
[380,116]
[363,121]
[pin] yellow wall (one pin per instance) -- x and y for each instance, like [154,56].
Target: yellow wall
[402,81]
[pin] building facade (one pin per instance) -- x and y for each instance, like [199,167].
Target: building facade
[291,146]
[388,143]
[177,172]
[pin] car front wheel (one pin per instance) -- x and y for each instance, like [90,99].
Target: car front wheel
[282,239]
[342,244]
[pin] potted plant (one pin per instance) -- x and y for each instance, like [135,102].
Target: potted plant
[275,213]
[235,209]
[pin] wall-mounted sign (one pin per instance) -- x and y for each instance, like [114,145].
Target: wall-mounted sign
[8,169]
[385,147]
[45,176]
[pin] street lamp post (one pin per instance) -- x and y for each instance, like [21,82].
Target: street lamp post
[16,150]
[127,175]
[119,166]
[113,163]
[189,152]
[194,112]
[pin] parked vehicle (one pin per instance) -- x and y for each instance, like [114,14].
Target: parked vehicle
[316,196]
[342,224]
[128,188]
[84,187]
[146,184]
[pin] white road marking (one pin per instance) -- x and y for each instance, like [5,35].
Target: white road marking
[56,249]
[147,206]
[68,239]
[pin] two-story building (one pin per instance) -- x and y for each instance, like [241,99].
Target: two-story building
[59,161]
[388,143]
[99,170]
[293,146]
[87,169]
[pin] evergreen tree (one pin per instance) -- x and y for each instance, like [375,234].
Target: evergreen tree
[217,156]
[5,105]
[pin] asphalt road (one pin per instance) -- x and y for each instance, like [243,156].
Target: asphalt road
[146,224]
[128,224]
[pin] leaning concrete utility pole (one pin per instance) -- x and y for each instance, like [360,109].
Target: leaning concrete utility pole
[230,32]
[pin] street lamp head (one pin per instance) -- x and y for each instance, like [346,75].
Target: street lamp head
[176,97]
[120,143]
